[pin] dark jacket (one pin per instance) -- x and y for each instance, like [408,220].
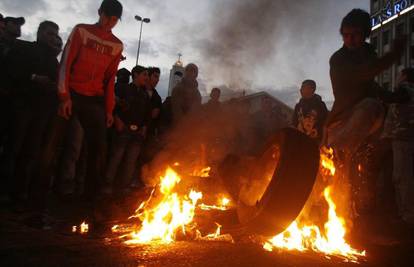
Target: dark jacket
[185,98]
[137,108]
[155,103]
[26,59]
[352,75]
[399,123]
[310,115]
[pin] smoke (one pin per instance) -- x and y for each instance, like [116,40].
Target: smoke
[274,44]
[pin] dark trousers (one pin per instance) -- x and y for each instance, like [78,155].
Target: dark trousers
[28,132]
[90,111]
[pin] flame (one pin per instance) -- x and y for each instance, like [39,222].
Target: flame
[171,214]
[83,228]
[308,236]
[224,203]
[327,160]
[203,172]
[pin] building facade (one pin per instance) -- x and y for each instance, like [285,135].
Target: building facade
[391,18]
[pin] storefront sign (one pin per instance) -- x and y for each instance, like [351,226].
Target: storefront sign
[390,10]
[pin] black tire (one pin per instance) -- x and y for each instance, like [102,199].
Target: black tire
[289,188]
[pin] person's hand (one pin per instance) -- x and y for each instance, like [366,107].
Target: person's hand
[109,120]
[119,125]
[65,109]
[41,79]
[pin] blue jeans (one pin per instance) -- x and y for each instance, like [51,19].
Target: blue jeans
[122,163]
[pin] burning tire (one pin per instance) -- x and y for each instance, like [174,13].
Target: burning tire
[269,205]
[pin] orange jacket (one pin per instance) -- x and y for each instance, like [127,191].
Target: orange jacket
[89,64]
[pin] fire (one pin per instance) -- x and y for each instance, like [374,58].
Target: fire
[224,203]
[203,172]
[83,228]
[172,213]
[303,236]
[327,160]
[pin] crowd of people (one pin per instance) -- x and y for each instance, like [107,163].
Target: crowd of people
[80,126]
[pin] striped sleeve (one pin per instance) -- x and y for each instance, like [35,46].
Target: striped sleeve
[69,55]
[110,83]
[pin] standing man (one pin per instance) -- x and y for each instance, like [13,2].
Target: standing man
[86,92]
[155,99]
[311,112]
[86,84]
[185,97]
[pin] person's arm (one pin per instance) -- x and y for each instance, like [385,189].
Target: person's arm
[69,55]
[109,83]
[344,71]
[176,99]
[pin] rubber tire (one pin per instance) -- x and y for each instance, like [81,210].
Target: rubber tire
[290,187]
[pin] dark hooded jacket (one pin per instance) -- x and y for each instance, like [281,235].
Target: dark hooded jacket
[352,75]
[310,115]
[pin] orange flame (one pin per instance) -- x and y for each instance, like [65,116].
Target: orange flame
[307,236]
[171,214]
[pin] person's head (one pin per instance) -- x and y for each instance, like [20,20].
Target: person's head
[308,88]
[154,76]
[109,12]
[2,25]
[122,75]
[12,27]
[191,71]
[355,28]
[215,94]
[47,33]
[139,76]
[57,45]
[406,75]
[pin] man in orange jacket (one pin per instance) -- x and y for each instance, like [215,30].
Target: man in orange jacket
[86,91]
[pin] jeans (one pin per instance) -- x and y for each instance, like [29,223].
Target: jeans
[28,132]
[403,178]
[367,117]
[123,159]
[90,111]
[73,161]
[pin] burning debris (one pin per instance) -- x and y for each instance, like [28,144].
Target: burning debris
[172,209]
[83,228]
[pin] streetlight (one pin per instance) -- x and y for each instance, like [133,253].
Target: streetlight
[146,20]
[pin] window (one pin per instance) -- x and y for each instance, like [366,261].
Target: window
[386,38]
[386,85]
[374,43]
[399,30]
[375,5]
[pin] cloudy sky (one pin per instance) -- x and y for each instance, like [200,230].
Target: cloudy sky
[243,44]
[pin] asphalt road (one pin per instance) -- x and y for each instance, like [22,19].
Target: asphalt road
[24,246]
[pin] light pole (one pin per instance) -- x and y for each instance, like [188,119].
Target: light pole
[146,20]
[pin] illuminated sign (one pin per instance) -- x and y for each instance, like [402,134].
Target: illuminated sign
[390,12]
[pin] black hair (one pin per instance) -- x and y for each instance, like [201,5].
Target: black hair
[138,69]
[152,70]
[409,72]
[312,83]
[47,24]
[357,18]
[111,8]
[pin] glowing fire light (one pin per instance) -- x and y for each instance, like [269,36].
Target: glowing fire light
[204,172]
[223,205]
[307,236]
[83,228]
[327,160]
[171,214]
